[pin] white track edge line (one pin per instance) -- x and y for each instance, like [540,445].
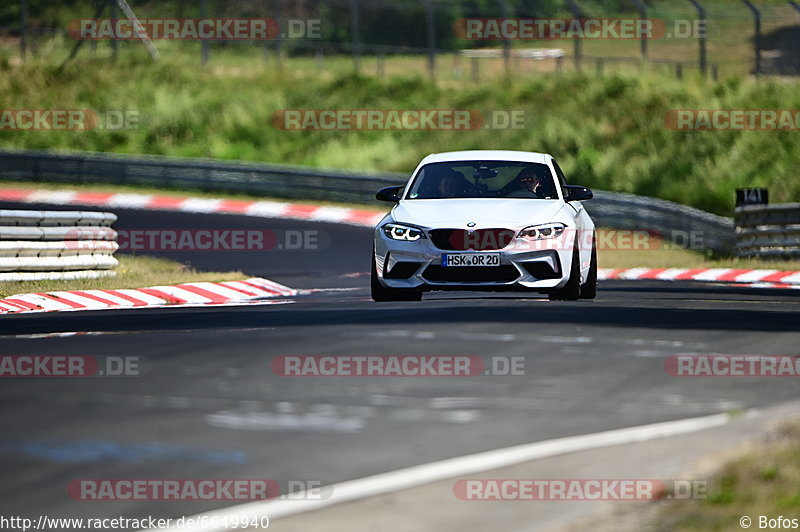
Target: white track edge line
[454,467]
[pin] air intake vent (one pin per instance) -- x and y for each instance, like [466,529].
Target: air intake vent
[470,274]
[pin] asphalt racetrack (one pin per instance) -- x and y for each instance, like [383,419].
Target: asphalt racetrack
[209,406]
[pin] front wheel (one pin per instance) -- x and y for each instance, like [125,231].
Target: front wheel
[589,288]
[572,290]
[383,293]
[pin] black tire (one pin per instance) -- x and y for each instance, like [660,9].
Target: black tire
[383,293]
[572,290]
[589,288]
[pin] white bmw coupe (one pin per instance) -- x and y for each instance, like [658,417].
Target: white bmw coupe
[485,220]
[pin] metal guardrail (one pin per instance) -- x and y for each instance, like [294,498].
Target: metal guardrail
[680,224]
[675,222]
[201,174]
[38,245]
[769,231]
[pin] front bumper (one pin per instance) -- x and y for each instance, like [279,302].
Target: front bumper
[544,266]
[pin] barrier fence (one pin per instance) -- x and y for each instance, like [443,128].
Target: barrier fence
[768,231]
[711,37]
[39,245]
[676,222]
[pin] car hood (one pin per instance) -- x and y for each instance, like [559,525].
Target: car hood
[487,212]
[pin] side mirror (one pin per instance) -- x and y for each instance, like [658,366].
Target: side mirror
[390,193]
[578,193]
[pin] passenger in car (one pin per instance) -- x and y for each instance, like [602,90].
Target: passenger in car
[453,184]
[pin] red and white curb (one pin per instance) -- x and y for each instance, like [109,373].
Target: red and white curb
[264,209]
[750,278]
[250,291]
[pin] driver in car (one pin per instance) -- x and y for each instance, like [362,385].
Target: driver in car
[535,180]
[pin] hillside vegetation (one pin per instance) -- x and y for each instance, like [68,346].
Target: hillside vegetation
[607,131]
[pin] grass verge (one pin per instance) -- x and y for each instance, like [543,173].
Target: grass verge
[133,272]
[762,481]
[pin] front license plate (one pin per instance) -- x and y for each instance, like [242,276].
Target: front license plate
[471,259]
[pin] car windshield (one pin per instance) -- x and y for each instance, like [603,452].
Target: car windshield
[483,179]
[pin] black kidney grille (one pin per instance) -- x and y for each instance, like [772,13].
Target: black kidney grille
[478,240]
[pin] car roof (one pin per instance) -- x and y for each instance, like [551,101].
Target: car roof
[487,155]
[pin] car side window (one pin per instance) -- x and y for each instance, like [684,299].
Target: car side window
[561,178]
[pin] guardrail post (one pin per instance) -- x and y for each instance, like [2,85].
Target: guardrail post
[701,12]
[756,35]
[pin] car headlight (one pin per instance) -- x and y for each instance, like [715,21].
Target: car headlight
[402,232]
[540,232]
